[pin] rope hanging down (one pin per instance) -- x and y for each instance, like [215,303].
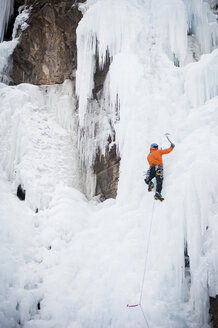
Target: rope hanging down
[143,280]
[145,269]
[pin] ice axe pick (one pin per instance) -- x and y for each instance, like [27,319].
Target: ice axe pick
[166,135]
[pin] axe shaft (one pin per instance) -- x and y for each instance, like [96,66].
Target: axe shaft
[168,138]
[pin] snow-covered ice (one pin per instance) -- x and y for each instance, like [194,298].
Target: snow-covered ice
[6,49]
[37,142]
[78,263]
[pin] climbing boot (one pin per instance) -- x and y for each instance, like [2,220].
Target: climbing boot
[150,186]
[158,196]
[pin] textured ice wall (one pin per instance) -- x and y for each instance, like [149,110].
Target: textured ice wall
[213,3]
[154,96]
[202,22]
[165,24]
[38,140]
[169,18]
[96,36]
[202,79]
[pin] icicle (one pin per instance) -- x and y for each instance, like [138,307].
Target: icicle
[202,79]
[97,36]
[202,22]
[6,10]
[97,39]
[170,17]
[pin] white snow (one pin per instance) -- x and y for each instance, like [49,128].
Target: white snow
[84,260]
[17,231]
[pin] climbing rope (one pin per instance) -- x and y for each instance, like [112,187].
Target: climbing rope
[144,274]
[146,254]
[145,269]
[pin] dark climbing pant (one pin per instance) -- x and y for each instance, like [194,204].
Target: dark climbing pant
[155,171]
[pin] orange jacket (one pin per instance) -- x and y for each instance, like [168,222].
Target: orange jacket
[155,155]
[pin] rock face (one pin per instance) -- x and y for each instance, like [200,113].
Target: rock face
[106,169]
[99,78]
[106,166]
[46,53]
[214,311]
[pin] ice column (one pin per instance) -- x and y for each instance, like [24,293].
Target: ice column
[97,40]
[202,22]
[6,10]
[201,83]
[171,25]
[96,35]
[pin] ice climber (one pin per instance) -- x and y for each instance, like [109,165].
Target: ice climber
[156,168]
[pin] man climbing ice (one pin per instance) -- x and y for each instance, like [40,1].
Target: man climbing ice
[156,168]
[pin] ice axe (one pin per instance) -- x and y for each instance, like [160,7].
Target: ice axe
[166,135]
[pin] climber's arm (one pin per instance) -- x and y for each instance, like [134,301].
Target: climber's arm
[167,150]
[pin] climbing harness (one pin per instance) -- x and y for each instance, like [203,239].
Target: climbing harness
[159,171]
[145,269]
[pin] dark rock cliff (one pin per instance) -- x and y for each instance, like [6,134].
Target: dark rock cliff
[214,311]
[106,169]
[46,53]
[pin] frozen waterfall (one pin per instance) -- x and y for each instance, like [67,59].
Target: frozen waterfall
[72,263]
